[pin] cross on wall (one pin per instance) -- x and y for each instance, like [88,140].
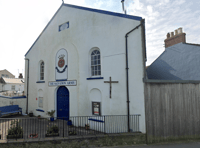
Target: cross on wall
[110,84]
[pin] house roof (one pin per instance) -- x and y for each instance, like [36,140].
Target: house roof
[177,62]
[88,9]
[13,80]
[7,71]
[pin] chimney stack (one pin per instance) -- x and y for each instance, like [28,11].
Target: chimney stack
[175,39]
[20,76]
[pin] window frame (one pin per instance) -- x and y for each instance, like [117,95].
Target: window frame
[40,95]
[40,102]
[95,63]
[41,73]
[13,86]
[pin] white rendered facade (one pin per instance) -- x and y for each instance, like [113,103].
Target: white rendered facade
[88,31]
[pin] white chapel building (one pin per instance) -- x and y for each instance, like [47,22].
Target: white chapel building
[87,62]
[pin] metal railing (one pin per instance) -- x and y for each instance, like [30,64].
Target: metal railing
[35,128]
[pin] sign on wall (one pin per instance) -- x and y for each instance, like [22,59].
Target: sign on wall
[96,108]
[66,83]
[61,65]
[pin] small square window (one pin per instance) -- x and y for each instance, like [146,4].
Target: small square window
[13,87]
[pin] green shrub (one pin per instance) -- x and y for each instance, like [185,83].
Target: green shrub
[53,129]
[15,129]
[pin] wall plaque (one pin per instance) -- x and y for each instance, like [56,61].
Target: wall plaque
[65,83]
[61,65]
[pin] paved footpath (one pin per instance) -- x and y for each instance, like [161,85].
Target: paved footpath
[177,145]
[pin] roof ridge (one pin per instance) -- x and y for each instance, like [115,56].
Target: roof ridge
[192,44]
[13,78]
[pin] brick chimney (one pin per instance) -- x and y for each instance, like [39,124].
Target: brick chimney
[175,39]
[20,76]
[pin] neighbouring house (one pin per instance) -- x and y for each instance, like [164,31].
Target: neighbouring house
[88,62]
[179,61]
[6,73]
[11,85]
[12,91]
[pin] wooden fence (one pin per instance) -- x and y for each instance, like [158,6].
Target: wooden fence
[172,110]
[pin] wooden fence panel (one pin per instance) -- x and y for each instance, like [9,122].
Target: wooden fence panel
[172,111]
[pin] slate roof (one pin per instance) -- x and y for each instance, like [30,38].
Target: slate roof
[177,62]
[13,80]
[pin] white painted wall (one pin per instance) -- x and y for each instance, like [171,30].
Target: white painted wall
[18,87]
[20,101]
[88,30]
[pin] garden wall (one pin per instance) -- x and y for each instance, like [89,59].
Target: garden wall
[21,101]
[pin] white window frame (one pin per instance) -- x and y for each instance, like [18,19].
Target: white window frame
[40,96]
[41,71]
[40,99]
[12,86]
[95,63]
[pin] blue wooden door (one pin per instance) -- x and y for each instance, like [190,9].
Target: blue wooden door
[63,103]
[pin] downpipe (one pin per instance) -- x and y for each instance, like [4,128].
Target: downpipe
[27,87]
[127,74]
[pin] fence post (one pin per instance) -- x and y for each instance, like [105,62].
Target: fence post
[104,125]
[63,127]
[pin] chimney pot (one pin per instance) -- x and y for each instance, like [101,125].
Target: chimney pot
[172,34]
[168,35]
[180,30]
[176,31]
[20,76]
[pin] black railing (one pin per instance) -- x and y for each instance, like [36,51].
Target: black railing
[35,128]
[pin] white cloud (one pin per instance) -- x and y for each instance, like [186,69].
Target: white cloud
[164,16]
[23,20]
[75,2]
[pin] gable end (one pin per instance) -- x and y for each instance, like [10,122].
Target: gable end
[106,12]
[88,9]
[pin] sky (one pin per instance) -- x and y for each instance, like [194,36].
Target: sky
[21,22]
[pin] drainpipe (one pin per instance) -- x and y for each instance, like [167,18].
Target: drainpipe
[27,86]
[127,68]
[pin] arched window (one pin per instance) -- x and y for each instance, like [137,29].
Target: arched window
[42,70]
[95,63]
